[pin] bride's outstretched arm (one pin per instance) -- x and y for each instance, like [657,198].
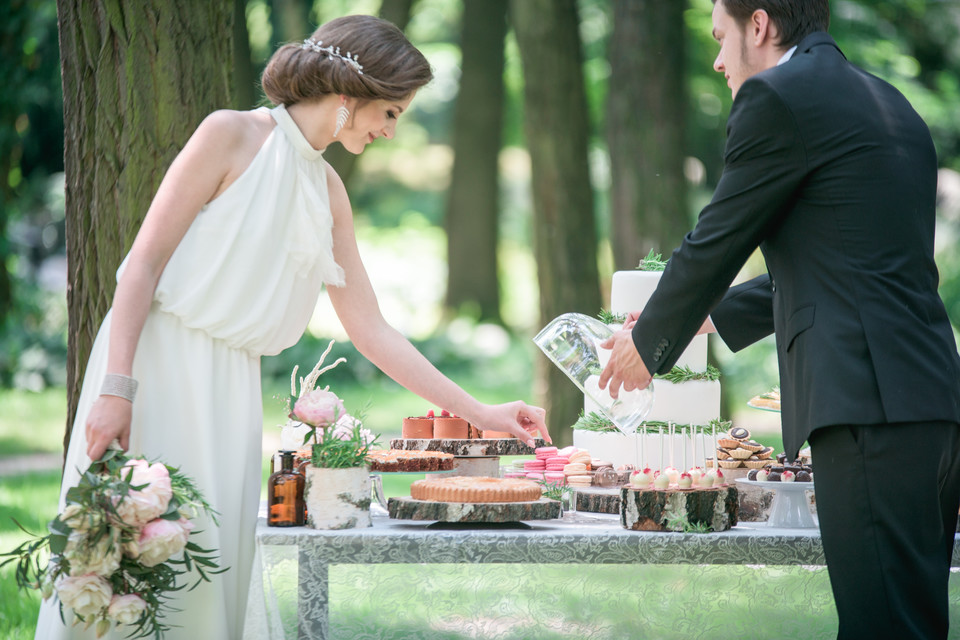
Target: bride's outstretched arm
[356,306]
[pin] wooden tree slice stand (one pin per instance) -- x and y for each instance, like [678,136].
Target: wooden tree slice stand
[474,456]
[407,508]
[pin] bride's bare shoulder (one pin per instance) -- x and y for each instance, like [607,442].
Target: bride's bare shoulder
[236,131]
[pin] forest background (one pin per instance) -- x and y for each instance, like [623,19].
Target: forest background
[560,141]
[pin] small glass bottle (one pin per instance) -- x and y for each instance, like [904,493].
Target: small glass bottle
[285,504]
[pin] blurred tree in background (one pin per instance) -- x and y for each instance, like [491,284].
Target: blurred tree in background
[557,129]
[653,105]
[471,215]
[645,129]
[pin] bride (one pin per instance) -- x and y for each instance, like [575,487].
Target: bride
[247,226]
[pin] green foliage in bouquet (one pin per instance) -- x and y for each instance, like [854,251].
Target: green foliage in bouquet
[117,550]
[338,439]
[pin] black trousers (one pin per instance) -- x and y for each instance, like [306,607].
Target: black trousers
[887,500]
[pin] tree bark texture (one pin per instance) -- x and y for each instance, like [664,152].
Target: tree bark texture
[472,201]
[645,130]
[556,130]
[138,77]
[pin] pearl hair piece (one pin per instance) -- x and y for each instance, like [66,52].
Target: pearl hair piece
[333,52]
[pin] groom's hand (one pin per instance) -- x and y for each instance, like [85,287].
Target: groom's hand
[625,368]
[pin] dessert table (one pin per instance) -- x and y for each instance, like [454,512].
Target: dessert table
[305,558]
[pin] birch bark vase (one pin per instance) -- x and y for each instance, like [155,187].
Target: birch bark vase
[338,498]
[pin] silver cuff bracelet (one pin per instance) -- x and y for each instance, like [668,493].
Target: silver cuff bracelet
[115,384]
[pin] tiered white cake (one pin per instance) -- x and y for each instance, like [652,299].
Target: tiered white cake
[687,408]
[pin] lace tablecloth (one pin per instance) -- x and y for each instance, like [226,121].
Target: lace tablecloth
[580,577]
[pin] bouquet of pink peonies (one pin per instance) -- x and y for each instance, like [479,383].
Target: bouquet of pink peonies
[119,545]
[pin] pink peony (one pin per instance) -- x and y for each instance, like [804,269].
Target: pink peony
[140,507]
[318,408]
[86,595]
[162,539]
[126,609]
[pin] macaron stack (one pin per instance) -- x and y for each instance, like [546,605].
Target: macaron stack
[577,470]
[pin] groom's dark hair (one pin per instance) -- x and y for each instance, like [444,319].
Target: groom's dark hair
[795,19]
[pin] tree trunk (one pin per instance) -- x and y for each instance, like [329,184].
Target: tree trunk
[290,21]
[645,129]
[473,202]
[345,163]
[556,128]
[246,85]
[138,77]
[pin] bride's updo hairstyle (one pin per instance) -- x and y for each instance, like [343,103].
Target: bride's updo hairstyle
[382,64]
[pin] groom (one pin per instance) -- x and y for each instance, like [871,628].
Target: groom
[833,175]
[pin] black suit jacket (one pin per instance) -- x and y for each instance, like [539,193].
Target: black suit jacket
[831,172]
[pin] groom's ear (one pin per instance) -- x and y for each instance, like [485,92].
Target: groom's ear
[761,30]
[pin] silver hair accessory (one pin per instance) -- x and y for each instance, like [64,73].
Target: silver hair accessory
[342,114]
[115,384]
[333,52]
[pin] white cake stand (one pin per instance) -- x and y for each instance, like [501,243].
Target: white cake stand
[790,509]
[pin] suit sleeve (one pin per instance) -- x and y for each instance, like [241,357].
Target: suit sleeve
[765,164]
[745,314]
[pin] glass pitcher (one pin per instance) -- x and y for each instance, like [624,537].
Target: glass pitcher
[572,342]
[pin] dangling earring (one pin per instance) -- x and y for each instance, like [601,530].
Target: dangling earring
[342,114]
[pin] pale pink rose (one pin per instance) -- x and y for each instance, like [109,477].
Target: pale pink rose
[160,540]
[102,559]
[318,408]
[80,519]
[86,595]
[126,609]
[140,507]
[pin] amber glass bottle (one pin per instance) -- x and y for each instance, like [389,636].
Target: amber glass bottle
[285,505]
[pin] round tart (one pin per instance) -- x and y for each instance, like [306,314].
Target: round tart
[740,454]
[729,464]
[739,433]
[728,443]
[475,489]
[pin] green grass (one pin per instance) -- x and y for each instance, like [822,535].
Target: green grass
[32,422]
[31,499]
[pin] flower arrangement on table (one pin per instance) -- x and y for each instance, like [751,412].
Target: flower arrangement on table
[337,480]
[120,544]
[318,418]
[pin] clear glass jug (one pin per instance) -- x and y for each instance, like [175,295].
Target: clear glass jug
[572,342]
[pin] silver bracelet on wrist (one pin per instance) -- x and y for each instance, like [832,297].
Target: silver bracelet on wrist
[115,384]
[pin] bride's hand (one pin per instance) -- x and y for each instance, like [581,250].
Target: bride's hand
[518,418]
[109,420]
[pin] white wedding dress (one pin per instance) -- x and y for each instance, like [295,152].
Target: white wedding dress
[242,283]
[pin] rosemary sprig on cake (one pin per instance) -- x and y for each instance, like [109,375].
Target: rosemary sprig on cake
[653,262]
[685,374]
[595,421]
[608,317]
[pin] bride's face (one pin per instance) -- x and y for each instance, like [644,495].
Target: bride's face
[371,120]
